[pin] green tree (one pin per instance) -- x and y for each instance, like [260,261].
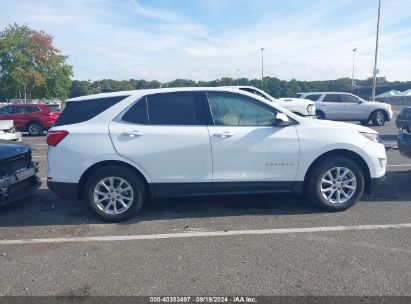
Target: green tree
[30,66]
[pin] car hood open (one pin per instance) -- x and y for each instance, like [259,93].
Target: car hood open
[11,150]
[359,128]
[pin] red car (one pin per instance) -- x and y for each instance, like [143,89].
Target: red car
[32,118]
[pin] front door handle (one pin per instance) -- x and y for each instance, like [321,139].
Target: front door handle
[133,133]
[224,134]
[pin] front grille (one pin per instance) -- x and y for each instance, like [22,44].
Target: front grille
[11,165]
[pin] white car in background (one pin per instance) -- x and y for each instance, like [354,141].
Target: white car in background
[298,106]
[8,132]
[348,107]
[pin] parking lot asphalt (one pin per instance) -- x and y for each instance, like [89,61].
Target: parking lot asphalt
[243,245]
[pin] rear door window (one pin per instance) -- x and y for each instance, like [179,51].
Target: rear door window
[332,98]
[313,97]
[83,110]
[137,114]
[180,108]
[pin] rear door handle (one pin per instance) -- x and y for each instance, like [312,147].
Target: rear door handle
[133,133]
[224,134]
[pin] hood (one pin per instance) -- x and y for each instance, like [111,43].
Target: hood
[6,124]
[359,128]
[378,104]
[11,150]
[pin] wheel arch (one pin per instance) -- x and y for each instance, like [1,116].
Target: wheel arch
[320,111]
[342,153]
[86,174]
[383,110]
[33,121]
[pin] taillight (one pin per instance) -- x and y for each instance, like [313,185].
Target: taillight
[54,137]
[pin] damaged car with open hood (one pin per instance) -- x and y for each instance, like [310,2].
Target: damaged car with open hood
[18,172]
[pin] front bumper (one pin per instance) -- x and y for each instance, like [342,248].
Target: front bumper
[390,114]
[404,143]
[14,136]
[21,190]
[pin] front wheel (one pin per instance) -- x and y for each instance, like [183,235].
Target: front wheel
[320,115]
[115,193]
[378,118]
[336,184]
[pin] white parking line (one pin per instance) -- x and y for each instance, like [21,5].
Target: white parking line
[39,155]
[203,234]
[403,165]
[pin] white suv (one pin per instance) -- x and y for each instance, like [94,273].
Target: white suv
[346,106]
[301,107]
[118,149]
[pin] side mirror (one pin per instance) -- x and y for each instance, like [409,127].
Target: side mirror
[282,120]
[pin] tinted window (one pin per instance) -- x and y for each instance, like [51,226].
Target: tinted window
[83,110]
[19,110]
[180,108]
[313,97]
[6,110]
[332,98]
[236,110]
[137,113]
[54,108]
[254,92]
[30,109]
[298,95]
[349,98]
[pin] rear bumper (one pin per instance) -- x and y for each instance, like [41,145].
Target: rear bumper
[375,184]
[65,190]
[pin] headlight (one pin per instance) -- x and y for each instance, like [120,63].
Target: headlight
[373,137]
[311,109]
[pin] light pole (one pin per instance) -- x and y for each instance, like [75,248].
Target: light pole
[238,74]
[262,68]
[352,77]
[375,71]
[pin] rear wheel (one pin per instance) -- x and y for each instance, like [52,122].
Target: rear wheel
[336,184]
[364,122]
[115,193]
[35,129]
[378,118]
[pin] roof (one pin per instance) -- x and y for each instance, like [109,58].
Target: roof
[152,91]
[310,93]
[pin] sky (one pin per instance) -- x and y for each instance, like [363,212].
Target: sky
[209,39]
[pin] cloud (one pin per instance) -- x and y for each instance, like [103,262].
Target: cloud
[128,39]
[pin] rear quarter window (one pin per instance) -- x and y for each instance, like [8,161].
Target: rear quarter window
[83,110]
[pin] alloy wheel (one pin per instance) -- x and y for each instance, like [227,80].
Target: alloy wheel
[338,185]
[113,195]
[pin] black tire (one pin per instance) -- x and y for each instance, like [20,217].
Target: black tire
[320,115]
[138,192]
[314,184]
[35,129]
[378,118]
[364,122]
